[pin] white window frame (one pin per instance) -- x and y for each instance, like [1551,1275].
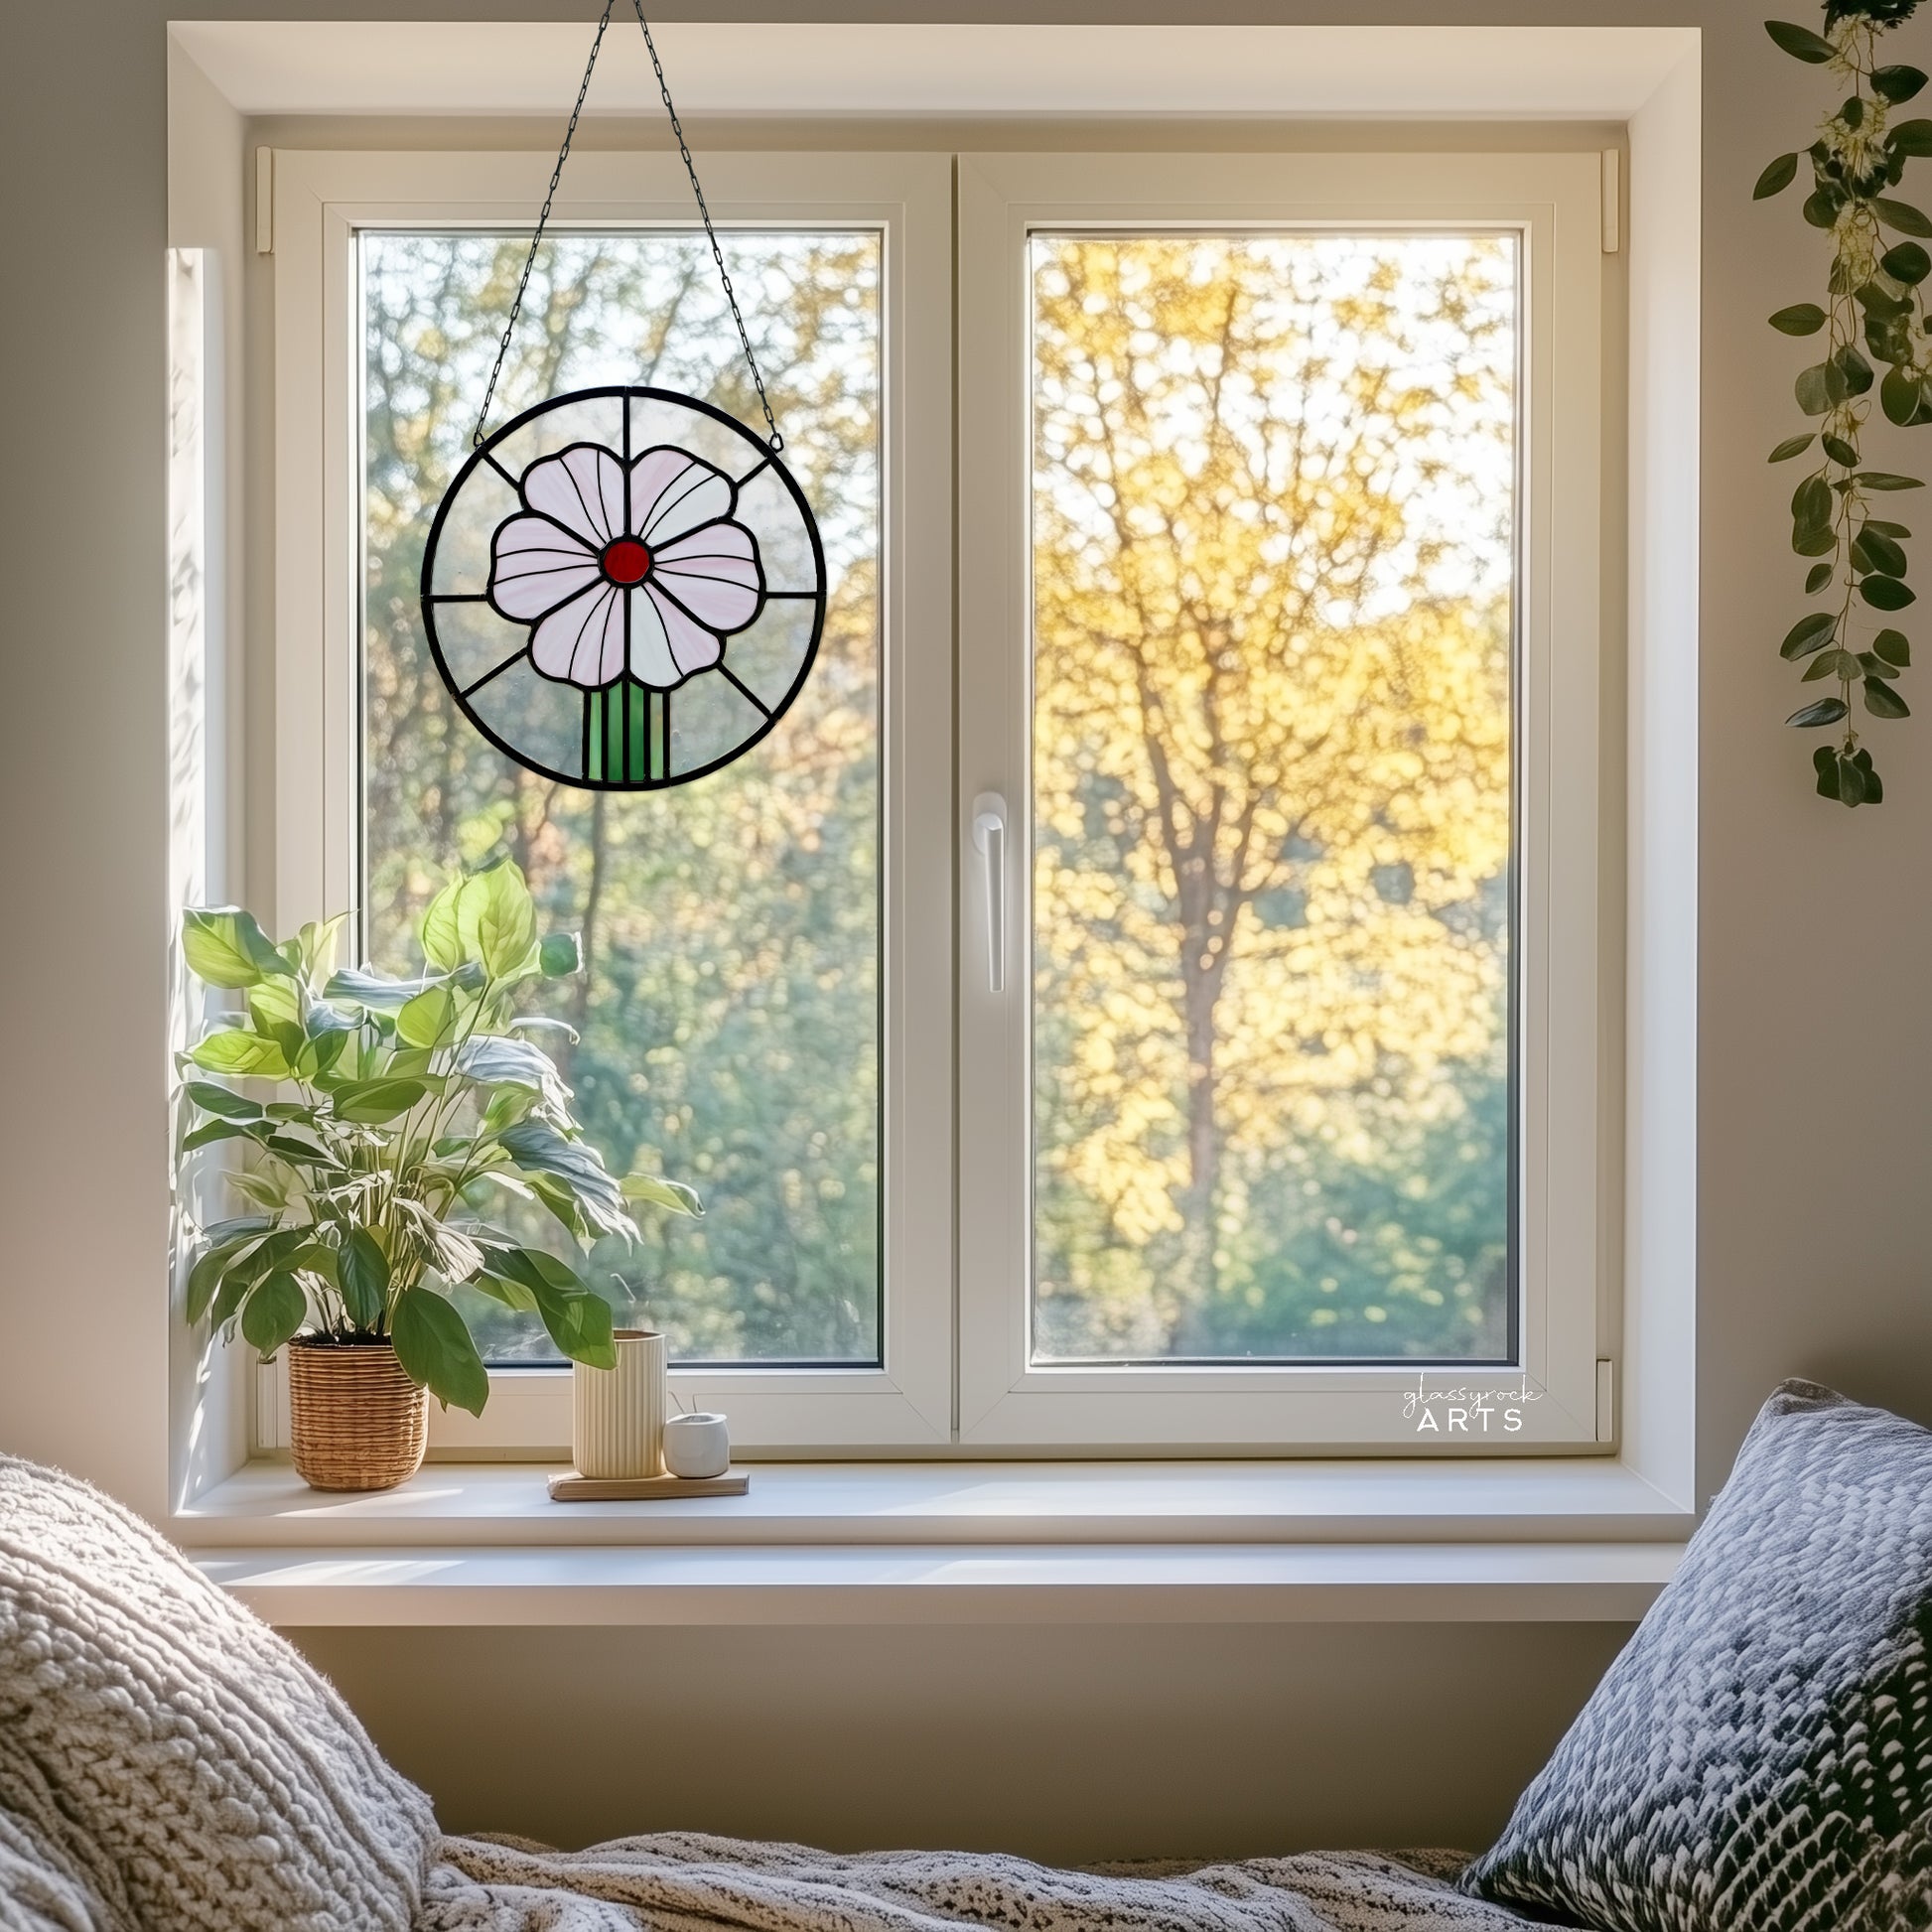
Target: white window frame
[955,1367]
[1570,1093]
[320,199]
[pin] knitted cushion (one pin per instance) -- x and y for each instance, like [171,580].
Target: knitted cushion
[164,1753]
[1760,1755]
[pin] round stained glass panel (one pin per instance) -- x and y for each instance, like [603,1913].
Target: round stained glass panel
[624,589]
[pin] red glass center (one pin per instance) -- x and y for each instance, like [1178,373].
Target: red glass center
[625,561]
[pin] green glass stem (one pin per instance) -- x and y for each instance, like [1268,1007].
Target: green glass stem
[626,733]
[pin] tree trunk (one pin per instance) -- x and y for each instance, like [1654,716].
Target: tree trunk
[580,1002]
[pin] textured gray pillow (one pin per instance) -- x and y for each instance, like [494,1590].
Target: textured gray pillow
[1759,1758]
[164,1756]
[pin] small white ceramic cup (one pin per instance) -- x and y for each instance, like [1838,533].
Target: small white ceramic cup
[697,1446]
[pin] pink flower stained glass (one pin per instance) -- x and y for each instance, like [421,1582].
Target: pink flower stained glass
[623,634]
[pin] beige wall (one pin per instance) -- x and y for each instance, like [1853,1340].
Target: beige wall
[1060,1743]
[1815,1052]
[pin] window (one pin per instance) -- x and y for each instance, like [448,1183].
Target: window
[1253,839]
[1280,672]
[728,1020]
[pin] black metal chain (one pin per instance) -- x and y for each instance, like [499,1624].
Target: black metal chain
[776,441]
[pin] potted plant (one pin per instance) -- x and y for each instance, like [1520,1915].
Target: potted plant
[400,1107]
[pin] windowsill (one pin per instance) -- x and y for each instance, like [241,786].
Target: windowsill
[475,1543]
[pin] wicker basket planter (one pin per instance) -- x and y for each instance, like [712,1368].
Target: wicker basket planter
[355,1420]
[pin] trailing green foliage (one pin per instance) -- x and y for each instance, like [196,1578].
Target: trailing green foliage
[414,1102]
[1875,318]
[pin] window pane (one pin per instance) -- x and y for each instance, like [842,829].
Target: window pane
[1274,511]
[729,1017]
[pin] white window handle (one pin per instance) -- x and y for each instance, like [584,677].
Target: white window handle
[989,839]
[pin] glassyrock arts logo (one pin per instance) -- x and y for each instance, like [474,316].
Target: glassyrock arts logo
[1468,1413]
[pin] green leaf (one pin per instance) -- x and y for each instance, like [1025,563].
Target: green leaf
[219,1100]
[672,1194]
[1914,138]
[579,1322]
[1811,504]
[236,1050]
[1840,452]
[271,1251]
[442,935]
[579,1326]
[1885,555]
[1802,43]
[1886,593]
[1875,793]
[319,1054]
[1814,388]
[1884,529]
[274,1311]
[1801,319]
[370,1102]
[212,1131]
[535,1022]
[1777,177]
[1853,366]
[223,946]
[1870,664]
[1896,84]
[1824,762]
[436,1351]
[1817,576]
[1899,397]
[1822,205]
[1817,541]
[499,1059]
[314,943]
[1885,480]
[205,1274]
[322,1019]
[540,1149]
[1823,667]
[317,1258]
[1826,711]
[1894,647]
[1792,446]
[363,1269]
[1883,701]
[560,955]
[237,1228]
[375,992]
[426,1019]
[1901,215]
[496,917]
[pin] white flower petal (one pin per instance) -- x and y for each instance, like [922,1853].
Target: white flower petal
[666,646]
[581,488]
[583,642]
[534,567]
[672,490]
[713,572]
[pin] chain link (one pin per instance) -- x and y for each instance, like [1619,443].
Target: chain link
[776,440]
[536,240]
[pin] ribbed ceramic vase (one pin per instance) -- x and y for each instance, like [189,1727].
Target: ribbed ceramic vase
[618,1414]
[355,1420]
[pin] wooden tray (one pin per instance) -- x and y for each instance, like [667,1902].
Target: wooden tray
[573,1488]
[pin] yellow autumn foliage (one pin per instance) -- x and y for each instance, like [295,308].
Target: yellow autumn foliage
[1272,753]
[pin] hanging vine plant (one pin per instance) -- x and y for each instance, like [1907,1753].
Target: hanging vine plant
[1874,315]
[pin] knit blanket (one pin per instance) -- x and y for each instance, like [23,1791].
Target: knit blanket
[685,1882]
[169,1764]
